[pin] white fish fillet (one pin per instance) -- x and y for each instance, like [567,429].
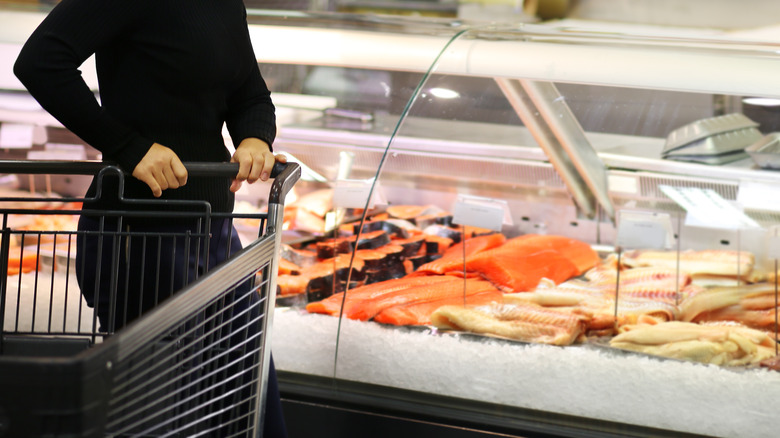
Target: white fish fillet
[519,322]
[727,344]
[715,262]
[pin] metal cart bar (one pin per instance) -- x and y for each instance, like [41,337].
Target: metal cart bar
[194,365]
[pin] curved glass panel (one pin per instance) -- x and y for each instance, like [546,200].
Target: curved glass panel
[342,138]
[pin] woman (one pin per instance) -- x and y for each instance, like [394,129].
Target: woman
[171,73]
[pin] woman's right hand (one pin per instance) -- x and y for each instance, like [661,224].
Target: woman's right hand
[161,169]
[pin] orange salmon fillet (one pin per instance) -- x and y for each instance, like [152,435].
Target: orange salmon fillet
[452,259]
[580,253]
[514,271]
[332,304]
[405,211]
[292,284]
[420,313]
[369,308]
[287,267]
[27,263]
[576,253]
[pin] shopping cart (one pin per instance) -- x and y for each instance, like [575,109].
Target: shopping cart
[76,363]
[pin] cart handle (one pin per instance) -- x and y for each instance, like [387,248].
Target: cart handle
[285,175]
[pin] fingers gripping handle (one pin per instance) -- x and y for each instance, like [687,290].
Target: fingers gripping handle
[285,175]
[223,169]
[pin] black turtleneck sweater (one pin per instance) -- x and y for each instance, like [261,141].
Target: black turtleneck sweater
[169,71]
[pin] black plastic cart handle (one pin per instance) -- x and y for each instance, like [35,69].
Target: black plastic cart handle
[284,174]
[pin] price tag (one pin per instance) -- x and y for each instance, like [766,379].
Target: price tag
[58,155]
[349,193]
[59,151]
[16,136]
[762,196]
[480,212]
[773,249]
[623,184]
[706,208]
[644,230]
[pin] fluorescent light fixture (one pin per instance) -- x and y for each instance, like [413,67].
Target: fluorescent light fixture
[761,101]
[444,93]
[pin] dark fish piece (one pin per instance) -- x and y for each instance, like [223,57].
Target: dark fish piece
[411,246]
[330,248]
[436,244]
[373,259]
[420,260]
[440,218]
[394,227]
[372,240]
[444,231]
[390,273]
[301,257]
[395,253]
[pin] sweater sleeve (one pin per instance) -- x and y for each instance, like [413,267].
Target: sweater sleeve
[48,66]
[251,112]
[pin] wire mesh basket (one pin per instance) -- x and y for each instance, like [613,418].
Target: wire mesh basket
[188,358]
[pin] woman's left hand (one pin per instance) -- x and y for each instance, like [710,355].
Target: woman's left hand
[255,161]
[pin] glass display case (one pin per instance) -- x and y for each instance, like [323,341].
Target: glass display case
[609,228]
[521,230]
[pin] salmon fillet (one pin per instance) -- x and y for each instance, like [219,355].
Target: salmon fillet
[406,212]
[578,252]
[420,313]
[369,308]
[567,258]
[514,271]
[287,267]
[452,258]
[332,304]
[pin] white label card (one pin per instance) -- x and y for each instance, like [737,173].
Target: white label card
[16,135]
[350,193]
[479,212]
[773,247]
[706,208]
[57,155]
[623,184]
[644,230]
[762,196]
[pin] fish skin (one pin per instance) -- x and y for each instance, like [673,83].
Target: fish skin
[436,244]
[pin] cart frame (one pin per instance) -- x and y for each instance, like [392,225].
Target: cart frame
[195,365]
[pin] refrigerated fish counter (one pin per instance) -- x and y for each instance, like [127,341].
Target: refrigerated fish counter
[543,244]
[522,230]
